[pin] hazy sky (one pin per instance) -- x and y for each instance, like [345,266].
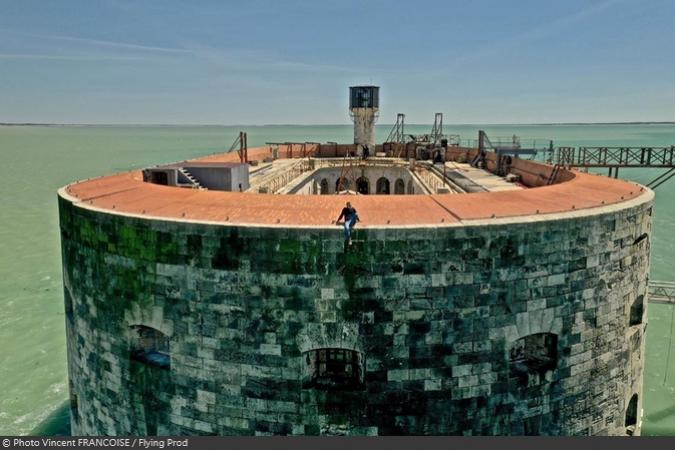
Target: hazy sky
[287,61]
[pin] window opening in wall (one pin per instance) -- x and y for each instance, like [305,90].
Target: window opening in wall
[74,407]
[159,178]
[363,186]
[642,237]
[532,426]
[637,311]
[382,186]
[333,368]
[150,346]
[399,187]
[324,187]
[343,184]
[69,306]
[631,415]
[411,188]
[534,353]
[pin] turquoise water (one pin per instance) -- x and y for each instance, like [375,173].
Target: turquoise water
[38,160]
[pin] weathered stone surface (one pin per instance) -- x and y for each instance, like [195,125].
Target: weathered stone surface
[434,312]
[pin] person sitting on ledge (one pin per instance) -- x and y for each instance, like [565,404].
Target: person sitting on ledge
[351,217]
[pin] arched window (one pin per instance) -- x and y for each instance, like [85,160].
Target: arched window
[631,415]
[411,188]
[363,186]
[324,186]
[535,353]
[333,368]
[399,187]
[342,184]
[149,346]
[382,186]
[637,311]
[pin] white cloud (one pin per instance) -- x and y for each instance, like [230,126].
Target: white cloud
[68,57]
[115,44]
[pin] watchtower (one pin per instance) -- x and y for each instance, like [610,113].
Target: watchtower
[364,104]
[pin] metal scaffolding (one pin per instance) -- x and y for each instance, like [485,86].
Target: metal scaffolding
[241,145]
[437,129]
[397,133]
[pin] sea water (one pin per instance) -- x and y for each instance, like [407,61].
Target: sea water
[37,160]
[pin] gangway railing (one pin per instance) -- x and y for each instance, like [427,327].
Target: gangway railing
[662,292]
[504,149]
[614,158]
[663,157]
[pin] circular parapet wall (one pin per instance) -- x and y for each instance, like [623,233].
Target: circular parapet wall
[246,316]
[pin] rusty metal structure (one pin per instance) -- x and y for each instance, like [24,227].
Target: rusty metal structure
[662,292]
[614,158]
[241,145]
[397,133]
[304,151]
[437,129]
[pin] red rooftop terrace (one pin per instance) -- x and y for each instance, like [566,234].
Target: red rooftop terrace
[540,189]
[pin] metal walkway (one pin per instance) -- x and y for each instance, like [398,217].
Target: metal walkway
[614,158]
[662,292]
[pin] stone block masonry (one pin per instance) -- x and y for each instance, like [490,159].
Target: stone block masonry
[504,327]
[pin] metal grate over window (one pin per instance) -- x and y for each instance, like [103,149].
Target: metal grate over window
[150,346]
[534,353]
[333,368]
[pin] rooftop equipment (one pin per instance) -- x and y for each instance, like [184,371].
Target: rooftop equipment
[200,175]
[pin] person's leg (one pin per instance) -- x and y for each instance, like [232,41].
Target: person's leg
[352,221]
[347,230]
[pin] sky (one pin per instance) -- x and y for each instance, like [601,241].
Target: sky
[260,62]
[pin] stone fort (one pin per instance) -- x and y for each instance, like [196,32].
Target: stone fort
[483,294]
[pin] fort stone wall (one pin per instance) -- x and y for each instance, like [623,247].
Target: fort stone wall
[530,325]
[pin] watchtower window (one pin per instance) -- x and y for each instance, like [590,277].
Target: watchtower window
[333,368]
[631,415]
[534,353]
[150,346]
[637,311]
